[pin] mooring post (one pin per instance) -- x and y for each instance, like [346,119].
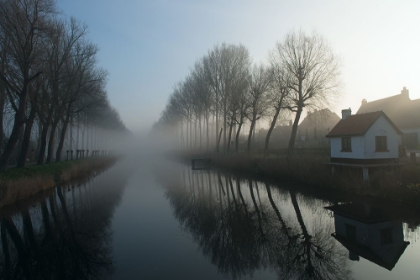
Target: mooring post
[365,174]
[71,152]
[67,155]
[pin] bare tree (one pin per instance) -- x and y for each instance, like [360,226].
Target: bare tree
[225,66]
[259,83]
[23,23]
[277,96]
[243,111]
[59,44]
[312,71]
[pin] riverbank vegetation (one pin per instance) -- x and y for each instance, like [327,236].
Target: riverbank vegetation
[50,84]
[20,183]
[310,167]
[400,183]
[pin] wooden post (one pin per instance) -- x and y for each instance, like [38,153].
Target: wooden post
[365,174]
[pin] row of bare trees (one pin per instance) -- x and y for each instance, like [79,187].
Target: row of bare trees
[224,91]
[49,80]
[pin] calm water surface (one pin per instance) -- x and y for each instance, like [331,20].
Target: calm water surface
[162,220]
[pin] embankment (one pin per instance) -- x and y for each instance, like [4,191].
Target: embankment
[20,183]
[398,184]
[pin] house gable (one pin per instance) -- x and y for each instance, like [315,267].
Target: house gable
[364,132]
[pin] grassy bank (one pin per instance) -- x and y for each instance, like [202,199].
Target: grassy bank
[20,183]
[400,184]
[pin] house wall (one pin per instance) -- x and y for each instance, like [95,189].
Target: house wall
[363,147]
[357,148]
[381,128]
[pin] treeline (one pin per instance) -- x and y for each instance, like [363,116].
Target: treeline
[49,82]
[225,91]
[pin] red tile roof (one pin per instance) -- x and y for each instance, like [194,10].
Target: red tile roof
[358,124]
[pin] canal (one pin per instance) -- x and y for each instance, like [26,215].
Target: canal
[162,220]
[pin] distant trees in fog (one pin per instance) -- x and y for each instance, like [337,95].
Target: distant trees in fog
[225,91]
[49,82]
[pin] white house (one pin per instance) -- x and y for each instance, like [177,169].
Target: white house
[370,138]
[367,232]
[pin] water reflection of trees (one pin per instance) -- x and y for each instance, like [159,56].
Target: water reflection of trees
[244,226]
[63,236]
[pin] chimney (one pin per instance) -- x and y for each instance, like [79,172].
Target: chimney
[404,92]
[345,113]
[364,101]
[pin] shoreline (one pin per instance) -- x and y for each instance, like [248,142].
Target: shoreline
[398,185]
[17,184]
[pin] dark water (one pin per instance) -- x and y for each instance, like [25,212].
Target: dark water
[164,221]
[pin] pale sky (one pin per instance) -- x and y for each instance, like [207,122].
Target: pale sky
[149,46]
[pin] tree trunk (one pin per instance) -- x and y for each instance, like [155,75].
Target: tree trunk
[51,142]
[207,131]
[62,138]
[78,133]
[224,124]
[270,130]
[237,135]
[17,127]
[26,140]
[200,132]
[251,129]
[11,143]
[294,130]
[230,131]
[218,141]
[43,145]
[217,118]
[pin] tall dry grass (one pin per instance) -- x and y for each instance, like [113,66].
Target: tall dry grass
[20,184]
[11,191]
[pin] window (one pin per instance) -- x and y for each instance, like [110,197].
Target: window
[380,144]
[346,144]
[386,236]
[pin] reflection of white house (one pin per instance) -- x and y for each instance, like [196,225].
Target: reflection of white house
[370,138]
[403,111]
[367,233]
